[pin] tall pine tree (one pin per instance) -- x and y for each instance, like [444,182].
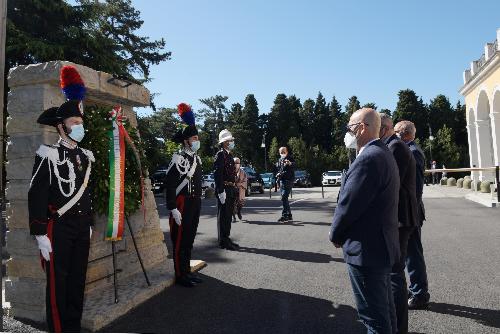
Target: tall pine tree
[411,108]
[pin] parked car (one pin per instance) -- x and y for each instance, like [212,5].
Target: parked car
[302,179]
[157,180]
[332,178]
[208,181]
[269,180]
[255,182]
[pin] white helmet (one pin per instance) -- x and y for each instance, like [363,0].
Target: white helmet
[224,136]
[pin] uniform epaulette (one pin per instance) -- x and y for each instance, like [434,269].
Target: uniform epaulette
[49,152]
[89,154]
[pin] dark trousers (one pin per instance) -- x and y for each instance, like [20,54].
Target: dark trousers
[398,282]
[183,236]
[66,272]
[415,264]
[225,215]
[373,297]
[285,189]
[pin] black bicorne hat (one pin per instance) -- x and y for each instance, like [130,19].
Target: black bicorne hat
[55,115]
[185,133]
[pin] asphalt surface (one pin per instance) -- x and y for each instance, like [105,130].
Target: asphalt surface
[288,278]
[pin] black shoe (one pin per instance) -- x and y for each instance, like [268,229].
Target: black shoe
[239,214]
[282,220]
[194,278]
[234,219]
[415,303]
[185,282]
[234,244]
[289,218]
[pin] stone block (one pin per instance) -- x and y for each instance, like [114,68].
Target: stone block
[460,183]
[49,72]
[17,214]
[25,291]
[443,181]
[110,89]
[21,243]
[139,95]
[28,312]
[20,168]
[451,182]
[485,187]
[17,189]
[25,266]
[467,183]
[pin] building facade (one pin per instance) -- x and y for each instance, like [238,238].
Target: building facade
[481,91]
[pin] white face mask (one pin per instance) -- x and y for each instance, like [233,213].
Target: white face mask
[231,145]
[283,156]
[195,146]
[77,132]
[350,140]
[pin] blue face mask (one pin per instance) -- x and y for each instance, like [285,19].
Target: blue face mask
[77,132]
[231,145]
[195,146]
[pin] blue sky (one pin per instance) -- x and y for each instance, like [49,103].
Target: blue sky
[371,49]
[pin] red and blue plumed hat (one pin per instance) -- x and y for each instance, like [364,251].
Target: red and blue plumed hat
[186,113]
[74,90]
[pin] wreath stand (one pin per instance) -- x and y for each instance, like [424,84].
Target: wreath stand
[138,256]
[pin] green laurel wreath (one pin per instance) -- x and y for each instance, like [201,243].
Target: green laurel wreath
[97,126]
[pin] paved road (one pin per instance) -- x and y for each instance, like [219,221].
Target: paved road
[287,278]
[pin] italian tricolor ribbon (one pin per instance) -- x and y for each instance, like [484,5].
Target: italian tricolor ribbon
[116,209]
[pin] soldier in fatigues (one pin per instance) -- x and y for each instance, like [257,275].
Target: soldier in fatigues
[225,187]
[61,215]
[183,196]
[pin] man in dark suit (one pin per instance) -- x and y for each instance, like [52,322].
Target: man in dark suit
[407,215]
[365,223]
[415,261]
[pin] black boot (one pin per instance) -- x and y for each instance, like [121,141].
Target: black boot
[194,278]
[239,213]
[184,281]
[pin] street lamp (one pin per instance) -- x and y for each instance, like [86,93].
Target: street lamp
[431,138]
[263,145]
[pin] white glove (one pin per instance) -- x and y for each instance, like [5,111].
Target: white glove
[177,216]
[90,232]
[44,246]
[222,197]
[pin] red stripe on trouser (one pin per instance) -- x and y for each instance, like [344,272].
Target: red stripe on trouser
[52,282]
[180,207]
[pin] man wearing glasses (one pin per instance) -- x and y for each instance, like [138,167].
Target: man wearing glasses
[365,222]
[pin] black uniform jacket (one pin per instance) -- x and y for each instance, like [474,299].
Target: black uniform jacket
[224,170]
[173,179]
[44,195]
[408,214]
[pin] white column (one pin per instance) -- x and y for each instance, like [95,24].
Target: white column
[483,134]
[473,150]
[495,134]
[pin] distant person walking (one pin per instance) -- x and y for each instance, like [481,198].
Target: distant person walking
[286,174]
[434,174]
[241,186]
[365,222]
[415,261]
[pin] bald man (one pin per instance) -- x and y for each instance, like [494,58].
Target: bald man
[365,223]
[407,215]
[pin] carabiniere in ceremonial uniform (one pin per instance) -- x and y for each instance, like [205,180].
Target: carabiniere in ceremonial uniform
[61,215]
[183,196]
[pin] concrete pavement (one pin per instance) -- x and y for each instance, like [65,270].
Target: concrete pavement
[288,278]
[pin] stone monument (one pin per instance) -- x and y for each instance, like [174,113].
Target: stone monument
[34,88]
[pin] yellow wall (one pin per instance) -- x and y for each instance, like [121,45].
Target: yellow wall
[488,84]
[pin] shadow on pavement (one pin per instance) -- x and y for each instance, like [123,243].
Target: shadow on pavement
[219,307]
[209,253]
[293,255]
[485,317]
